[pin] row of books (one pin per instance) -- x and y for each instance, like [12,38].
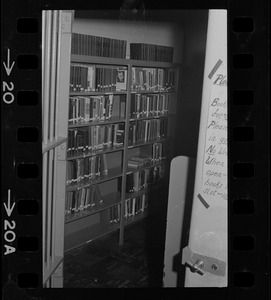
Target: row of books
[150,52]
[82,200]
[141,179]
[83,109]
[85,169]
[87,140]
[158,153]
[149,105]
[153,79]
[94,78]
[143,131]
[135,206]
[132,207]
[84,44]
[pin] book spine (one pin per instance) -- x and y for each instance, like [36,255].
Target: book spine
[105,168]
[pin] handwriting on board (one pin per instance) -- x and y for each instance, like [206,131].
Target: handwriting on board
[214,184]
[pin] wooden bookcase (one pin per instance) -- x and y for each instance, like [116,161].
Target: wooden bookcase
[88,224]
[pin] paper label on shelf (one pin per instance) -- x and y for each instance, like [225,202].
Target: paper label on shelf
[214,183]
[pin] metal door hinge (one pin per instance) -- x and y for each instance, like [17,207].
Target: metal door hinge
[66,21]
[200,263]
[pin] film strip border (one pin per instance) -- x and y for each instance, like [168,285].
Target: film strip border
[249,159]
[248,147]
[21,148]
[248,135]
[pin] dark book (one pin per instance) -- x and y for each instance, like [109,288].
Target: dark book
[83,44]
[150,52]
[99,199]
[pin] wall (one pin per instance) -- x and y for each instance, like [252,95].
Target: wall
[152,32]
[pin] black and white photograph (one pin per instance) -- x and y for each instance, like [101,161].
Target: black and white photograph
[134,116]
[135,149]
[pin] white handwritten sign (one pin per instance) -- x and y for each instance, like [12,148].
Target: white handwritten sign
[214,184]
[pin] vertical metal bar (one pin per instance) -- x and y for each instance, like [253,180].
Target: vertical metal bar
[53,76]
[44,203]
[44,158]
[49,204]
[56,108]
[58,59]
[125,154]
[46,214]
[65,20]
[54,200]
[43,59]
[52,127]
[61,125]
[46,80]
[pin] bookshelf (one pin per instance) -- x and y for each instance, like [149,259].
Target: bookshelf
[105,167]
[133,168]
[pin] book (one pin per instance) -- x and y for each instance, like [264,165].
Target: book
[149,105]
[104,163]
[136,162]
[142,179]
[82,200]
[142,131]
[134,206]
[98,194]
[153,79]
[150,52]
[87,140]
[87,168]
[121,79]
[86,78]
[118,130]
[90,45]
[114,214]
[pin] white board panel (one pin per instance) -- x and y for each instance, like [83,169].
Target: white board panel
[208,231]
[176,205]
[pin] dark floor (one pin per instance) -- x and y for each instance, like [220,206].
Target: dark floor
[103,263]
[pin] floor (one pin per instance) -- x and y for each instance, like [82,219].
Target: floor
[103,263]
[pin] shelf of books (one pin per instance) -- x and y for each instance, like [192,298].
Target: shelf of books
[120,135]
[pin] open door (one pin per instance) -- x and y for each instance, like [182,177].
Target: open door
[206,254]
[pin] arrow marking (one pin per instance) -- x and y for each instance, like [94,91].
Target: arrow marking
[7,207]
[7,66]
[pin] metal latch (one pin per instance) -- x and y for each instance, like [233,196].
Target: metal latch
[200,263]
[196,267]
